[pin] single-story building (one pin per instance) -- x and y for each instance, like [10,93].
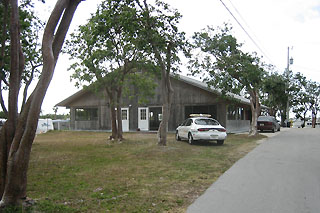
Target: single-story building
[90,111]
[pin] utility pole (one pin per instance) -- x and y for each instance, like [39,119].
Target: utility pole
[289,62]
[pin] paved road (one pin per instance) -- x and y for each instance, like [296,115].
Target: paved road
[282,175]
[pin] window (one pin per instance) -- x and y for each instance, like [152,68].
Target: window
[86,114]
[206,122]
[189,122]
[143,114]
[151,116]
[184,123]
[240,113]
[231,112]
[235,113]
[124,114]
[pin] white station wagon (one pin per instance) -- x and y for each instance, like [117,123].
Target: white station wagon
[201,127]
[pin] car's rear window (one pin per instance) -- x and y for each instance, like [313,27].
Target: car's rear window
[265,118]
[206,122]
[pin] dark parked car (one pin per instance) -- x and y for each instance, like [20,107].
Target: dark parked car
[268,123]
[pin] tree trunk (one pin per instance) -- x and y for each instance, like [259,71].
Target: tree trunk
[19,143]
[3,157]
[113,114]
[314,117]
[14,79]
[162,131]
[283,117]
[253,127]
[304,119]
[119,122]
[255,111]
[167,93]
[119,115]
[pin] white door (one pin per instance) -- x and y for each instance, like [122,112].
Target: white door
[125,119]
[143,118]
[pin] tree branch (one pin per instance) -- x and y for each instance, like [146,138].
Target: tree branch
[3,41]
[29,115]
[3,106]
[28,82]
[64,26]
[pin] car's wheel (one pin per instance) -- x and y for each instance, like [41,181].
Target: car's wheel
[177,136]
[190,139]
[279,129]
[220,142]
[273,129]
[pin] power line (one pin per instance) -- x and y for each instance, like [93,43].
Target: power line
[253,41]
[247,25]
[239,14]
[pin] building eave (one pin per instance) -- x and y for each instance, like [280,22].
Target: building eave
[66,102]
[202,85]
[205,86]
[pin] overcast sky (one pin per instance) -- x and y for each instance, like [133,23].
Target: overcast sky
[273,25]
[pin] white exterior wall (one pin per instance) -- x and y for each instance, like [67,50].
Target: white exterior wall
[44,125]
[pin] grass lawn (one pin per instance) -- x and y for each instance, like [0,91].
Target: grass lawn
[84,172]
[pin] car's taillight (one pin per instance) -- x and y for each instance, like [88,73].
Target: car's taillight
[222,130]
[203,129]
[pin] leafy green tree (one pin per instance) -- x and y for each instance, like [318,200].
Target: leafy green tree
[314,90]
[276,89]
[56,116]
[274,86]
[109,52]
[3,115]
[282,92]
[227,67]
[306,97]
[160,34]
[301,100]
[18,132]
[30,27]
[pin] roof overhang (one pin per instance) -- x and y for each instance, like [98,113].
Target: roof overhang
[202,85]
